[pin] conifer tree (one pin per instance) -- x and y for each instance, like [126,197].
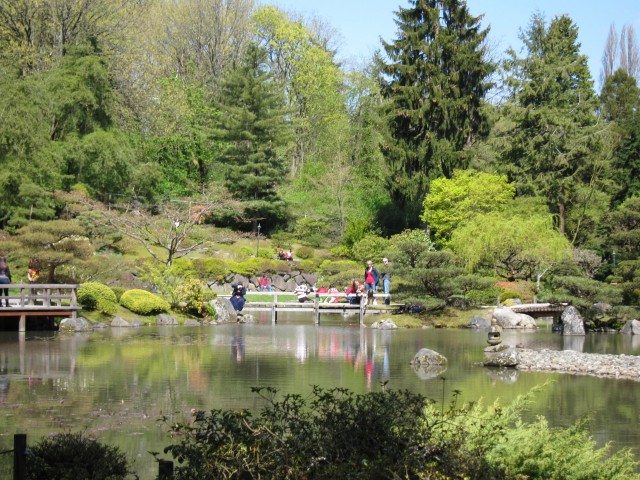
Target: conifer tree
[434,78]
[255,125]
[553,148]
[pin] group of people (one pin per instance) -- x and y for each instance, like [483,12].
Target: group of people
[282,255]
[354,292]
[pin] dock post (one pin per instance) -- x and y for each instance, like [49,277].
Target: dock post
[19,456]
[316,308]
[22,325]
[273,313]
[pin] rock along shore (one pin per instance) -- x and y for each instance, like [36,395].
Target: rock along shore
[569,361]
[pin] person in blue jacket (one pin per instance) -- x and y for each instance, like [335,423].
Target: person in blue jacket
[237,296]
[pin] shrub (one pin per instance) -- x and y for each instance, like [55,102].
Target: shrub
[73,455]
[143,302]
[304,252]
[192,297]
[210,267]
[97,296]
[118,291]
[370,247]
[508,294]
[183,267]
[389,434]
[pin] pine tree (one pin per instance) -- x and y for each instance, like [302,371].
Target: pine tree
[553,148]
[255,125]
[434,79]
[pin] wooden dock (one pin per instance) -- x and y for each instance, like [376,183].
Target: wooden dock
[317,305]
[40,300]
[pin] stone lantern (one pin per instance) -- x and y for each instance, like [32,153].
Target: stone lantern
[493,337]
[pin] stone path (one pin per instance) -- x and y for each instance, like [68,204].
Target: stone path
[569,361]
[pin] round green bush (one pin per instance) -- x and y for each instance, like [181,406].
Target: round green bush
[96,296]
[143,302]
[304,252]
[73,455]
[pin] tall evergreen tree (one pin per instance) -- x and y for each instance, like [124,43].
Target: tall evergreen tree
[255,123]
[554,147]
[434,78]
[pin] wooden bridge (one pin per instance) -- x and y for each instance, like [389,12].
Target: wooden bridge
[318,303]
[39,300]
[540,309]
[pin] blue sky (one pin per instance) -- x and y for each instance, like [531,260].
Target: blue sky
[360,23]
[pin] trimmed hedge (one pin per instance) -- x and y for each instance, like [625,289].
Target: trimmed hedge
[143,302]
[97,296]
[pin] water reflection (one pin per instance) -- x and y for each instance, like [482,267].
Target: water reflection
[116,383]
[573,342]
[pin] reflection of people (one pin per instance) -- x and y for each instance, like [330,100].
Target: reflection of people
[371,279]
[237,347]
[33,274]
[237,296]
[5,279]
[302,291]
[264,283]
[386,280]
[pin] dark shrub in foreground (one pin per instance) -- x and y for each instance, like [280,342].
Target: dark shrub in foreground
[335,434]
[74,456]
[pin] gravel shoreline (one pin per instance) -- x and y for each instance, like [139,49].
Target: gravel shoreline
[569,361]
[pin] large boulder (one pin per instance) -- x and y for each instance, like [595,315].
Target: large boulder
[166,320]
[386,324]
[119,322]
[479,322]
[500,356]
[225,313]
[572,323]
[78,324]
[426,356]
[507,318]
[190,322]
[632,327]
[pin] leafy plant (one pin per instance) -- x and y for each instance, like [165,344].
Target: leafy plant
[96,296]
[76,456]
[143,302]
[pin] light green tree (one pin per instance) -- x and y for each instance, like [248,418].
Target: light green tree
[452,202]
[519,242]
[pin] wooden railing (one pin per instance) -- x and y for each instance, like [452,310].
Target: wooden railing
[39,299]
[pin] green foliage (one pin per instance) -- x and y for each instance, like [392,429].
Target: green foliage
[311,231]
[585,289]
[96,296]
[433,113]
[192,297]
[184,268]
[118,291]
[390,434]
[143,302]
[304,252]
[409,245]
[370,247]
[452,202]
[75,455]
[505,241]
[210,267]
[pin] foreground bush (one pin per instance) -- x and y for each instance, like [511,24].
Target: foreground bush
[143,302]
[336,434]
[97,296]
[75,456]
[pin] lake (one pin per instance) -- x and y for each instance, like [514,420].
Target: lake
[115,384]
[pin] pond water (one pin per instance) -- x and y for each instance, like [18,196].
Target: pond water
[115,384]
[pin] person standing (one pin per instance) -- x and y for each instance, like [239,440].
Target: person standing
[5,279]
[371,279]
[385,274]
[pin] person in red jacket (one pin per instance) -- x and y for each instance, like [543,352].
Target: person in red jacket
[371,279]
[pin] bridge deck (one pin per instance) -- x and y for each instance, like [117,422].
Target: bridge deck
[33,300]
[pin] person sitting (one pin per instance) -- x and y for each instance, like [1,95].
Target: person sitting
[302,291]
[289,255]
[281,255]
[354,292]
[264,283]
[333,294]
[237,296]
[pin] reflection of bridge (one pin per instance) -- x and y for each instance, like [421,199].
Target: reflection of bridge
[38,300]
